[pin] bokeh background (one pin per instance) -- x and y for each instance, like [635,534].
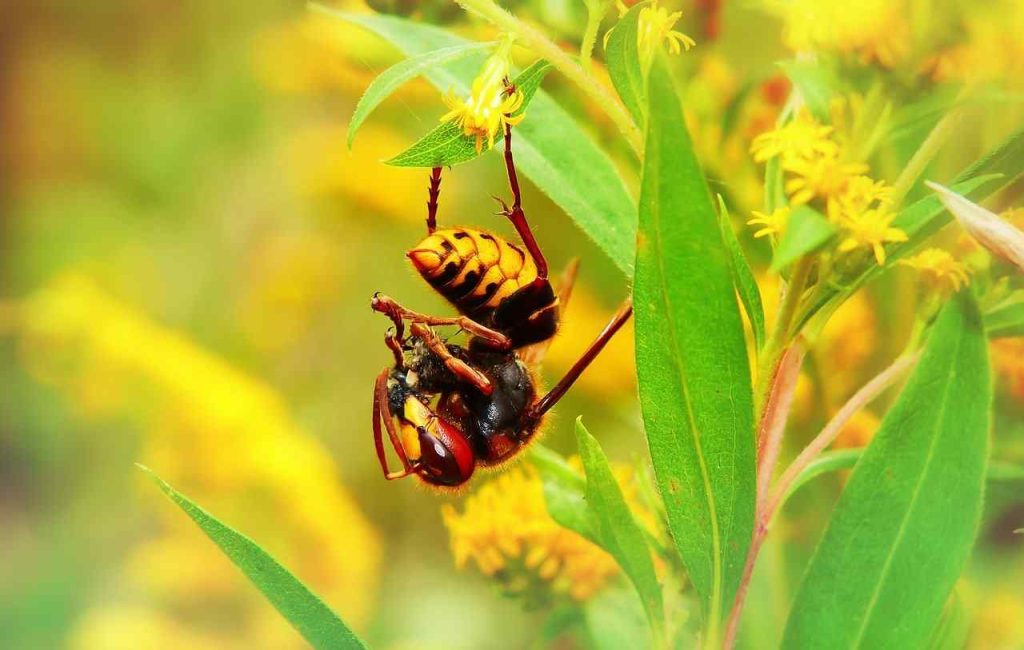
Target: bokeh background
[187,252]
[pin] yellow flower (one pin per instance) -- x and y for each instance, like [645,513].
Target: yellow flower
[861,193]
[506,530]
[869,29]
[871,229]
[772,224]
[801,138]
[823,176]
[490,105]
[654,25]
[940,269]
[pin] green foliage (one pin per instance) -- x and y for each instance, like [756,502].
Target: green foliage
[596,509]
[1007,318]
[893,548]
[320,626]
[926,216]
[816,83]
[447,145]
[394,77]
[551,149]
[826,462]
[695,390]
[742,276]
[565,493]
[807,231]
[624,67]
[618,530]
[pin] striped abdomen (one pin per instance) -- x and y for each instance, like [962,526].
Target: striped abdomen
[490,280]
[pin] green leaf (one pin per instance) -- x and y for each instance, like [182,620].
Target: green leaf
[826,462]
[1007,318]
[551,149]
[816,84]
[307,613]
[840,459]
[623,59]
[618,530]
[905,524]
[742,277]
[692,361]
[447,145]
[806,231]
[954,626]
[391,79]
[564,493]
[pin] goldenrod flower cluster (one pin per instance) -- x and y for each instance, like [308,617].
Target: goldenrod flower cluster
[216,434]
[991,48]
[814,157]
[940,270]
[491,103]
[505,529]
[868,30]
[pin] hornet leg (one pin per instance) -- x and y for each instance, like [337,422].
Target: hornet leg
[395,311]
[433,193]
[382,411]
[515,212]
[461,369]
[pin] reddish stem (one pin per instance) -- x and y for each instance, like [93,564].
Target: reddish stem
[770,430]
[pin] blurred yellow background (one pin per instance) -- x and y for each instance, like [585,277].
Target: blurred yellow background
[187,253]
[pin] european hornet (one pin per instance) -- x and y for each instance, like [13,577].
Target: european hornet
[487,407]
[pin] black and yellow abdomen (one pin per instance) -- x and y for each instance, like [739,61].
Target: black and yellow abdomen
[490,280]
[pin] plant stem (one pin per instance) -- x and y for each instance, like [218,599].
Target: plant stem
[775,415]
[595,14]
[772,426]
[866,394]
[780,337]
[564,63]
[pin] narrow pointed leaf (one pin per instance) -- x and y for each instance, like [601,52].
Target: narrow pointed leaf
[742,276]
[840,459]
[618,530]
[1007,318]
[565,493]
[623,58]
[816,83]
[447,145]
[807,231]
[392,79]
[905,524]
[550,147]
[692,363]
[825,463]
[307,613]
